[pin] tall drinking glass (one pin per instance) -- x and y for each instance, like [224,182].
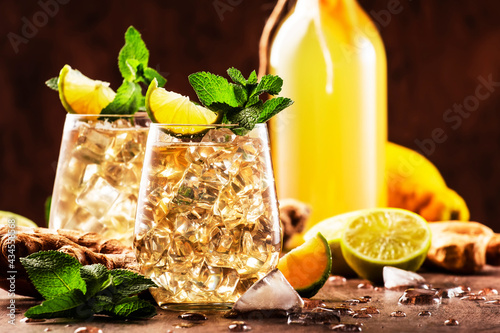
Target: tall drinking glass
[98,174]
[207,224]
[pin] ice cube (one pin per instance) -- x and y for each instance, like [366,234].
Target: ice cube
[93,144]
[90,170]
[121,123]
[250,148]
[76,221]
[199,154]
[133,147]
[226,161]
[230,279]
[221,250]
[126,206]
[98,196]
[396,277]
[272,292]
[222,135]
[120,175]
[73,172]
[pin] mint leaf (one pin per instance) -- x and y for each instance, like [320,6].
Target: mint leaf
[54,273]
[246,118]
[241,94]
[96,278]
[213,91]
[272,107]
[135,49]
[102,303]
[127,99]
[252,78]
[47,204]
[128,283]
[236,76]
[133,307]
[53,83]
[270,84]
[150,74]
[69,304]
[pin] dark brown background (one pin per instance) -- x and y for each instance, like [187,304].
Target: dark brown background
[436,51]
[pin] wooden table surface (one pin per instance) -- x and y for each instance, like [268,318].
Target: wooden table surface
[473,316]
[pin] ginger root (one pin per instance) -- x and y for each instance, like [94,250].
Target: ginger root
[88,248]
[462,247]
[293,215]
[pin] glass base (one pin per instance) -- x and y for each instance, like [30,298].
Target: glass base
[196,306]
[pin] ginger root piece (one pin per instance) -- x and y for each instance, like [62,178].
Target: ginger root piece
[493,251]
[293,215]
[459,247]
[88,248]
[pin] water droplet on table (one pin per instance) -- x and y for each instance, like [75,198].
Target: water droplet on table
[451,322]
[193,316]
[398,314]
[346,328]
[239,326]
[420,297]
[488,292]
[88,329]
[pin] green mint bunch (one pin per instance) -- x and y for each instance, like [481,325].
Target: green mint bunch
[240,101]
[72,290]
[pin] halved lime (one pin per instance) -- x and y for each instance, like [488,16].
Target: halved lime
[332,228]
[385,237]
[168,107]
[15,219]
[82,95]
[308,266]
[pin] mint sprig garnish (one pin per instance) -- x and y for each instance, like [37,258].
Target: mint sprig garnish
[240,101]
[133,62]
[72,290]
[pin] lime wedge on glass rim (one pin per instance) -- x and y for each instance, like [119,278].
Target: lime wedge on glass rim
[168,107]
[82,95]
[385,237]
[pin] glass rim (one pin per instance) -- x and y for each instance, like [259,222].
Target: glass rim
[138,114]
[153,124]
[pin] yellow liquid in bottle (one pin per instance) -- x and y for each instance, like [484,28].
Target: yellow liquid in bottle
[328,148]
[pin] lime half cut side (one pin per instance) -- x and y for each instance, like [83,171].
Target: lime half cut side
[15,219]
[385,237]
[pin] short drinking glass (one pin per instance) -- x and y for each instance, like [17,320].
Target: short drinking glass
[207,224]
[98,174]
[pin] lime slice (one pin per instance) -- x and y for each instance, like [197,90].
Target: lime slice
[168,107]
[332,228]
[82,95]
[385,237]
[8,217]
[308,266]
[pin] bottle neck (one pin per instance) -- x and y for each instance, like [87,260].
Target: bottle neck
[348,9]
[328,4]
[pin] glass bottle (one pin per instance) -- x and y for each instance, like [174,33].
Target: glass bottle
[328,148]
